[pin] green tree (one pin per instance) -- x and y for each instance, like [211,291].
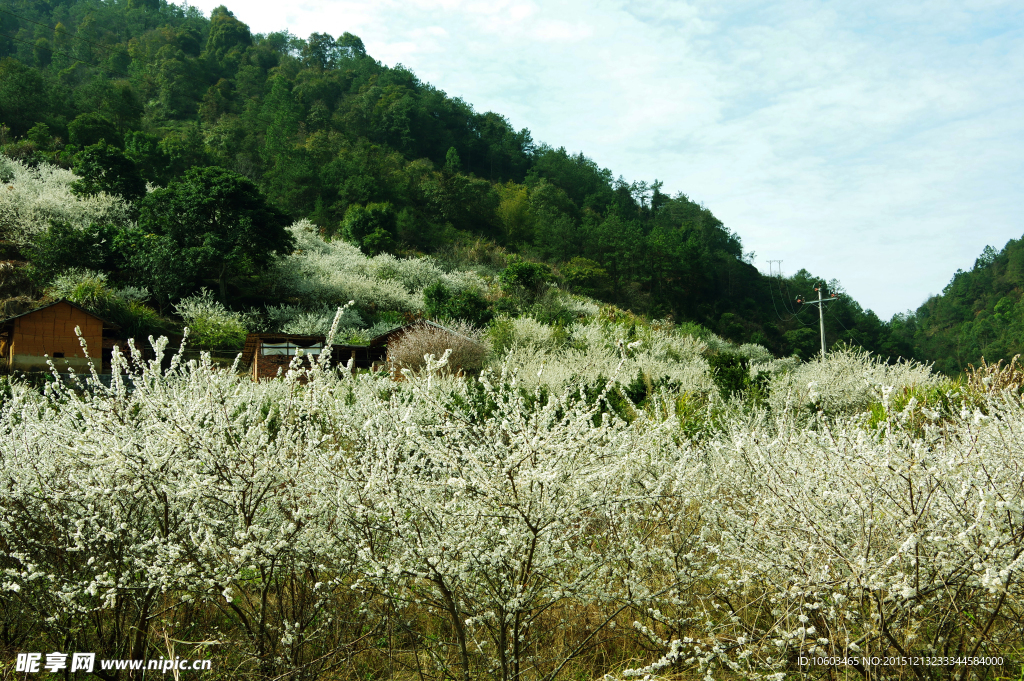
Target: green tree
[63,246]
[351,45]
[41,136]
[227,34]
[372,227]
[22,96]
[452,162]
[442,302]
[105,168]
[215,223]
[148,155]
[122,104]
[91,128]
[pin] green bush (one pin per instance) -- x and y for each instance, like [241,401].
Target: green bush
[123,306]
[211,325]
[585,276]
[731,373]
[442,302]
[63,247]
[525,278]
[372,227]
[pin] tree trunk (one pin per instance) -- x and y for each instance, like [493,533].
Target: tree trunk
[222,280]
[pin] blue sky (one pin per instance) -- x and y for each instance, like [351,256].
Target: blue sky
[878,143]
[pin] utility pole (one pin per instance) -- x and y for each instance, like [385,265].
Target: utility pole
[820,302]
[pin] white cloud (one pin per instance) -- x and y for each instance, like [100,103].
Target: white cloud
[875,142]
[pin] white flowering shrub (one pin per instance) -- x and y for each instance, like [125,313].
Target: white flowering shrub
[33,196]
[843,545]
[333,272]
[581,306]
[330,525]
[315,322]
[846,380]
[525,332]
[463,347]
[211,325]
[594,352]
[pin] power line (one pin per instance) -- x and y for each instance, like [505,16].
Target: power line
[53,51]
[54,29]
[785,295]
[794,315]
[770,274]
[836,317]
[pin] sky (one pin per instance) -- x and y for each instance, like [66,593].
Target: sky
[877,143]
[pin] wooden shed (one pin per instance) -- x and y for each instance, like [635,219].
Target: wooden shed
[430,337]
[394,334]
[27,340]
[267,353]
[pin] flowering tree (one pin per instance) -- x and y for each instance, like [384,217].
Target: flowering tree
[497,528]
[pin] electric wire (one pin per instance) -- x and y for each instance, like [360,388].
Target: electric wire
[54,29]
[80,61]
[836,317]
[792,315]
[784,297]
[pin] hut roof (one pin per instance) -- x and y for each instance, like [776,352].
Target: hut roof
[254,340]
[6,323]
[394,333]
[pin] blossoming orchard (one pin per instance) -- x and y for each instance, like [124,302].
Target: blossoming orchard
[507,525]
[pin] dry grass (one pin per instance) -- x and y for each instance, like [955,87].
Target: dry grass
[468,348]
[996,377]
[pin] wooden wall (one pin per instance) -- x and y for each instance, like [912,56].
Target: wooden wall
[51,330]
[266,366]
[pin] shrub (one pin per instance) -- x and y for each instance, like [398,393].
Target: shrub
[310,322]
[846,381]
[657,541]
[525,278]
[334,272]
[525,332]
[372,227]
[599,354]
[442,302]
[210,324]
[468,347]
[731,372]
[585,276]
[35,197]
[63,247]
[123,306]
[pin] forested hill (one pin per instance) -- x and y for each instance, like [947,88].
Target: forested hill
[129,89]
[979,314]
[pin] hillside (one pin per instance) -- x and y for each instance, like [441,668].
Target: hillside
[137,92]
[979,314]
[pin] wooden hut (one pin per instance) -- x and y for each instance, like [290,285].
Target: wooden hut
[267,353]
[384,339]
[468,353]
[29,339]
